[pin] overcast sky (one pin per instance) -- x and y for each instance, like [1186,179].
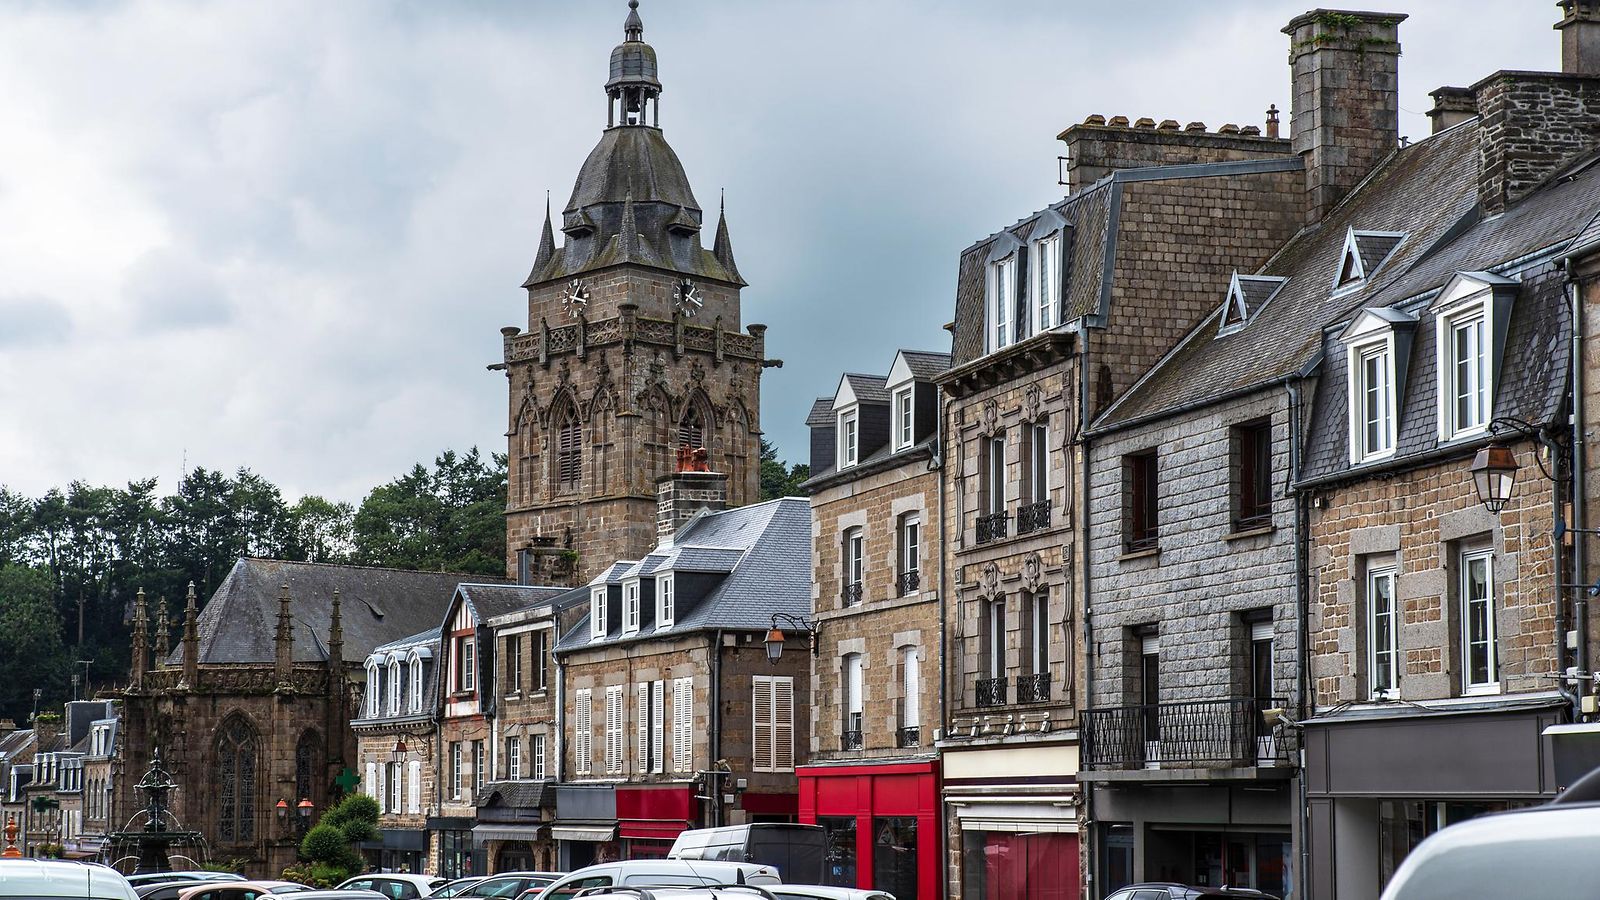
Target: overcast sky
[284,234]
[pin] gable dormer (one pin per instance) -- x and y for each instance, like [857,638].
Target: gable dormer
[1364,253]
[913,396]
[1378,358]
[861,414]
[1471,316]
[1247,294]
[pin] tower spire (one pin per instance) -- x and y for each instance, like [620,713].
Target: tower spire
[722,249]
[629,229]
[633,28]
[633,89]
[141,653]
[547,242]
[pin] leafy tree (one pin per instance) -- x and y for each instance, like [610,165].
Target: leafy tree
[778,479]
[330,844]
[450,519]
[31,652]
[320,530]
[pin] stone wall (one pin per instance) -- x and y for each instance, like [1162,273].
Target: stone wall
[1533,124]
[1095,148]
[1419,520]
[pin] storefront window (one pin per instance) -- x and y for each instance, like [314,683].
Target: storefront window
[1217,858]
[456,855]
[894,856]
[840,870]
[997,865]
[641,848]
[1402,824]
[1116,857]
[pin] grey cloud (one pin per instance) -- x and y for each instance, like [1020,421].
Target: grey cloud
[169,290]
[31,320]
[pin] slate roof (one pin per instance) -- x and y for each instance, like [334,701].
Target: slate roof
[821,412]
[518,794]
[1374,249]
[489,600]
[239,622]
[1428,189]
[1257,291]
[632,161]
[433,641]
[884,457]
[16,742]
[925,365]
[772,575]
[868,388]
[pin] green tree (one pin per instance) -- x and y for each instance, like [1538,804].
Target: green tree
[31,651]
[779,479]
[329,846]
[448,519]
[320,530]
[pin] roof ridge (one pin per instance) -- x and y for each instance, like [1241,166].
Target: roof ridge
[363,568]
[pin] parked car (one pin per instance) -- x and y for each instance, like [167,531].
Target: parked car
[452,888]
[240,890]
[172,890]
[796,851]
[658,873]
[190,876]
[1160,890]
[394,885]
[788,891]
[511,884]
[45,879]
[338,894]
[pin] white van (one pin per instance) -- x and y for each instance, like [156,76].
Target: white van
[648,873]
[46,879]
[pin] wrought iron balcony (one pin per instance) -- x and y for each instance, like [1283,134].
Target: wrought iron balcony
[910,736]
[850,740]
[991,691]
[993,526]
[850,595]
[1033,688]
[908,582]
[1195,735]
[1033,516]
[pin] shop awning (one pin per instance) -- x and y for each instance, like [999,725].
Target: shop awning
[652,831]
[592,833]
[501,831]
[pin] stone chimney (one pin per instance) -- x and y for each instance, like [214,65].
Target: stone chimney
[1580,36]
[1345,116]
[1534,125]
[1451,107]
[1097,147]
[685,492]
[46,728]
[7,727]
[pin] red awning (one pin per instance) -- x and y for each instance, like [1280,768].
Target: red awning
[651,830]
[770,804]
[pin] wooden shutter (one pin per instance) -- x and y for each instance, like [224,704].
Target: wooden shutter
[783,724]
[657,726]
[683,724]
[642,695]
[383,792]
[583,728]
[371,784]
[761,724]
[414,787]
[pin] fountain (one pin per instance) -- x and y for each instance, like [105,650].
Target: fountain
[154,839]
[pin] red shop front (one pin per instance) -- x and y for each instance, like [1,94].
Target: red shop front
[649,819]
[882,823]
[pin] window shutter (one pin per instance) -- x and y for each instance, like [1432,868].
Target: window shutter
[642,694]
[683,723]
[582,748]
[783,724]
[383,793]
[414,794]
[761,724]
[657,725]
[371,784]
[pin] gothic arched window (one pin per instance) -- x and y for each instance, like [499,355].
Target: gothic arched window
[692,428]
[527,450]
[305,766]
[236,781]
[569,450]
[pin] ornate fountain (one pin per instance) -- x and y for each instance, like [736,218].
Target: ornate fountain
[150,844]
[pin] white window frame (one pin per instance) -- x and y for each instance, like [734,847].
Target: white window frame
[513,653]
[455,770]
[849,438]
[904,417]
[1046,282]
[468,648]
[514,758]
[583,731]
[414,786]
[1381,347]
[910,687]
[1039,628]
[994,448]
[683,724]
[1475,313]
[394,790]
[394,686]
[855,554]
[630,606]
[1000,327]
[1374,576]
[1468,559]
[650,711]
[416,684]
[597,612]
[1039,461]
[854,684]
[374,690]
[666,600]
[911,543]
[480,758]
[538,761]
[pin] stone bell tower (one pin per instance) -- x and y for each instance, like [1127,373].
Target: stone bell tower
[633,348]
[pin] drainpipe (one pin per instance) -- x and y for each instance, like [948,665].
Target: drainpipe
[561,708]
[1579,487]
[937,464]
[714,720]
[1083,559]
[1302,640]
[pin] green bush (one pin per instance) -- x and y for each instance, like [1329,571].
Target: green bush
[324,843]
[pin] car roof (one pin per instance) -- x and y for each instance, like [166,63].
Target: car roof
[1545,850]
[55,878]
[827,890]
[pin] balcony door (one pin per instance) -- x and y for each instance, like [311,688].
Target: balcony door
[1261,689]
[1150,697]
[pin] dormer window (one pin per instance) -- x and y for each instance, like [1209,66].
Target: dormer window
[1002,297]
[630,606]
[903,418]
[374,688]
[849,438]
[394,686]
[416,685]
[666,600]
[1046,281]
[1247,295]
[1379,346]
[597,612]
[1364,253]
[1470,318]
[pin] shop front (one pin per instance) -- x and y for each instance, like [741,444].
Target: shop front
[456,854]
[1013,820]
[1377,782]
[514,826]
[882,824]
[397,850]
[585,826]
[650,818]
[1206,833]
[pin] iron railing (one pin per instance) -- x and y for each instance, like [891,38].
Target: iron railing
[1033,516]
[850,740]
[850,594]
[1033,688]
[992,527]
[991,691]
[910,736]
[1198,734]
[908,582]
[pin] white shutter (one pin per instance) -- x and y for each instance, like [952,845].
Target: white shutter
[783,724]
[912,714]
[761,724]
[414,788]
[371,784]
[383,793]
[683,724]
[658,725]
[583,732]
[642,695]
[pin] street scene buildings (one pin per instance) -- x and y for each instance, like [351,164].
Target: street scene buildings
[1238,537]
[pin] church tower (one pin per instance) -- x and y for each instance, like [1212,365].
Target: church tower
[633,348]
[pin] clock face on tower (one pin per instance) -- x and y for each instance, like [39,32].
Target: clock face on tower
[575,298]
[686,298]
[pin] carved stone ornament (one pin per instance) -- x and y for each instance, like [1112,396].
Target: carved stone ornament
[991,416]
[575,298]
[697,372]
[989,579]
[1032,401]
[1032,568]
[686,298]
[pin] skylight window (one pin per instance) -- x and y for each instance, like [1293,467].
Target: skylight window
[1364,253]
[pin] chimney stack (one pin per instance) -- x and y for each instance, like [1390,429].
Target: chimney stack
[685,492]
[1345,115]
[1580,36]
[1451,107]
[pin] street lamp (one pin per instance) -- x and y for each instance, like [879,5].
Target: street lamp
[399,753]
[283,810]
[1494,472]
[775,636]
